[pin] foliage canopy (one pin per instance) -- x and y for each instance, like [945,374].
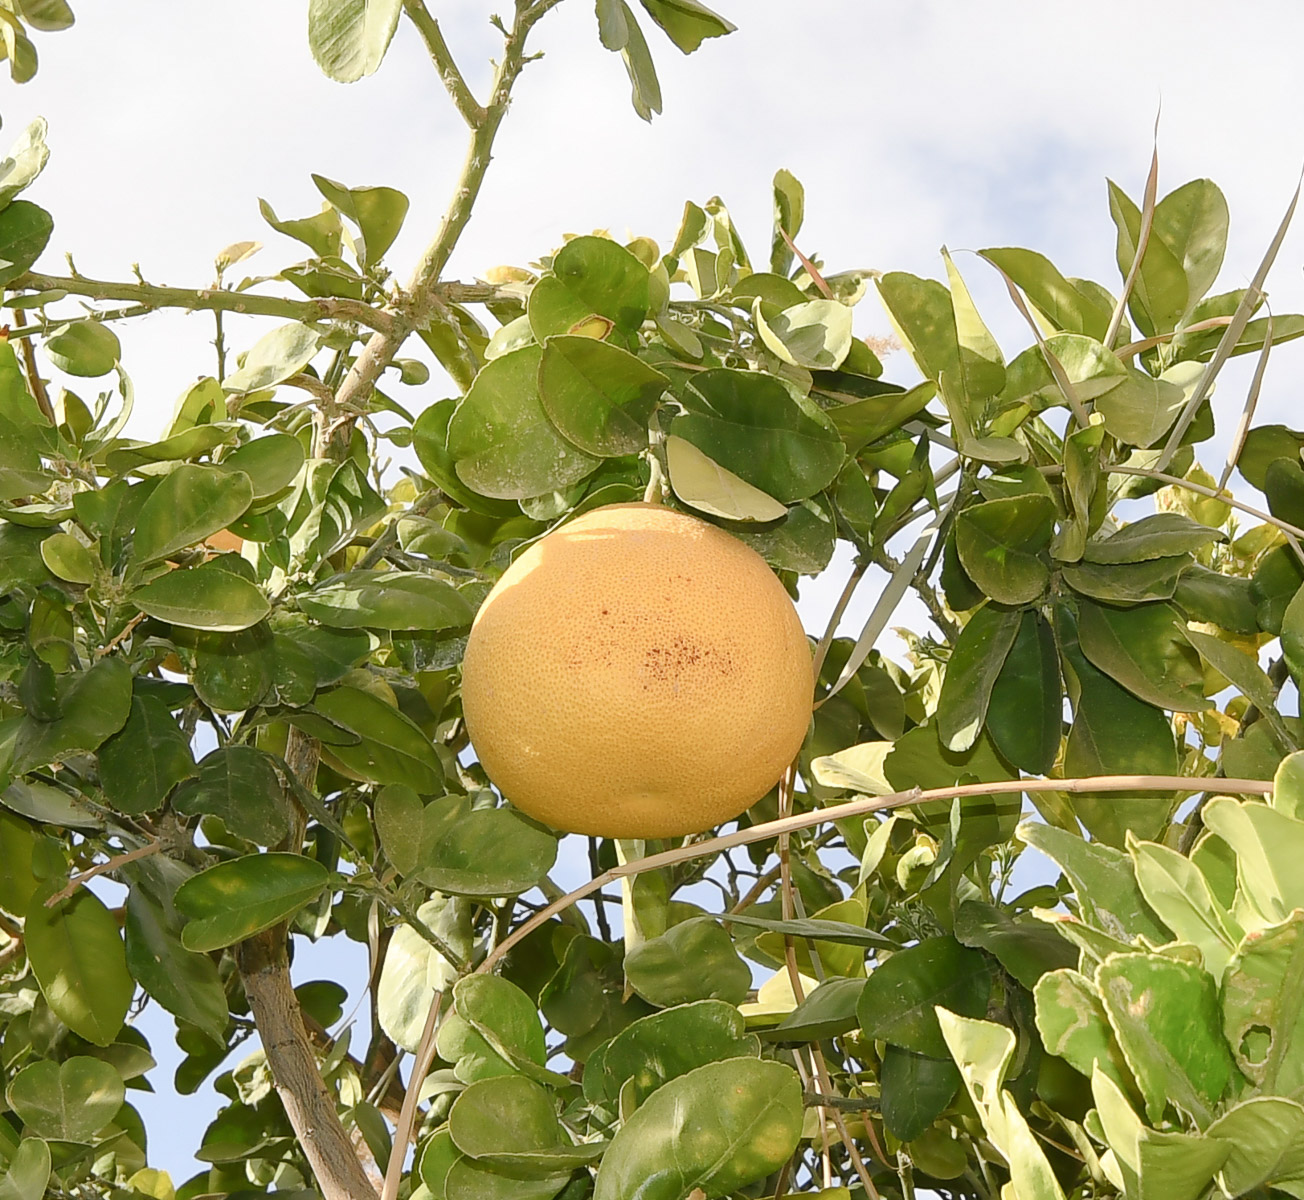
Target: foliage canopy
[229,682]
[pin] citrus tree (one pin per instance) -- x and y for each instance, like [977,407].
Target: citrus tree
[230,685]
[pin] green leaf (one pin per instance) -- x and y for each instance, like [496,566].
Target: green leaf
[1103,882]
[841,933]
[414,970]
[85,348]
[494,1031]
[694,960]
[1159,536]
[392,748]
[203,597]
[1288,786]
[500,437]
[751,426]
[348,38]
[183,982]
[1065,306]
[68,558]
[1242,671]
[387,600]
[916,1089]
[1025,947]
[28,155]
[1268,844]
[982,366]
[1072,1023]
[1262,1014]
[320,232]
[275,357]
[1114,733]
[240,897]
[668,1044]
[458,849]
[599,396]
[591,276]
[271,463]
[1159,293]
[69,1101]
[189,504]
[860,422]
[815,334]
[93,705]
[1181,896]
[976,660]
[1192,222]
[28,1171]
[1127,583]
[1166,1017]
[687,23]
[717,1128]
[1024,713]
[789,213]
[1140,409]
[145,759]
[585,998]
[1262,447]
[1000,543]
[918,759]
[903,991]
[1266,1136]
[509,1123]
[922,315]
[76,953]
[705,485]
[802,541]
[233,671]
[238,785]
[378,212]
[646,90]
[25,230]
[1146,650]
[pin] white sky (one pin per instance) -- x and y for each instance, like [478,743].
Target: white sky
[911,124]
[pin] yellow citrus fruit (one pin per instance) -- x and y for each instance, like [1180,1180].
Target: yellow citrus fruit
[637,673]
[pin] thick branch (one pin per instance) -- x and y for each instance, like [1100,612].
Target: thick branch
[465,103]
[265,971]
[422,301]
[327,308]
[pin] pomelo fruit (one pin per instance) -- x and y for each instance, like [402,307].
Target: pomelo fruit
[637,673]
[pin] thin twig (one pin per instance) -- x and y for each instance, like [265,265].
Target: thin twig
[815,277]
[118,860]
[121,636]
[466,104]
[1293,532]
[408,1114]
[861,807]
[1227,343]
[1134,348]
[1251,403]
[835,618]
[1142,242]
[34,381]
[1056,367]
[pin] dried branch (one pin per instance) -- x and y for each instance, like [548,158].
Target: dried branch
[118,860]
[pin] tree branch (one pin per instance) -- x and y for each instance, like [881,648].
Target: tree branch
[422,300]
[118,860]
[34,381]
[149,295]
[465,103]
[857,808]
[265,972]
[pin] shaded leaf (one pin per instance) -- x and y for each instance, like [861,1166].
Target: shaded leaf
[240,897]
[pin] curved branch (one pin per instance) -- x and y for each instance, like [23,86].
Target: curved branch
[857,808]
[465,103]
